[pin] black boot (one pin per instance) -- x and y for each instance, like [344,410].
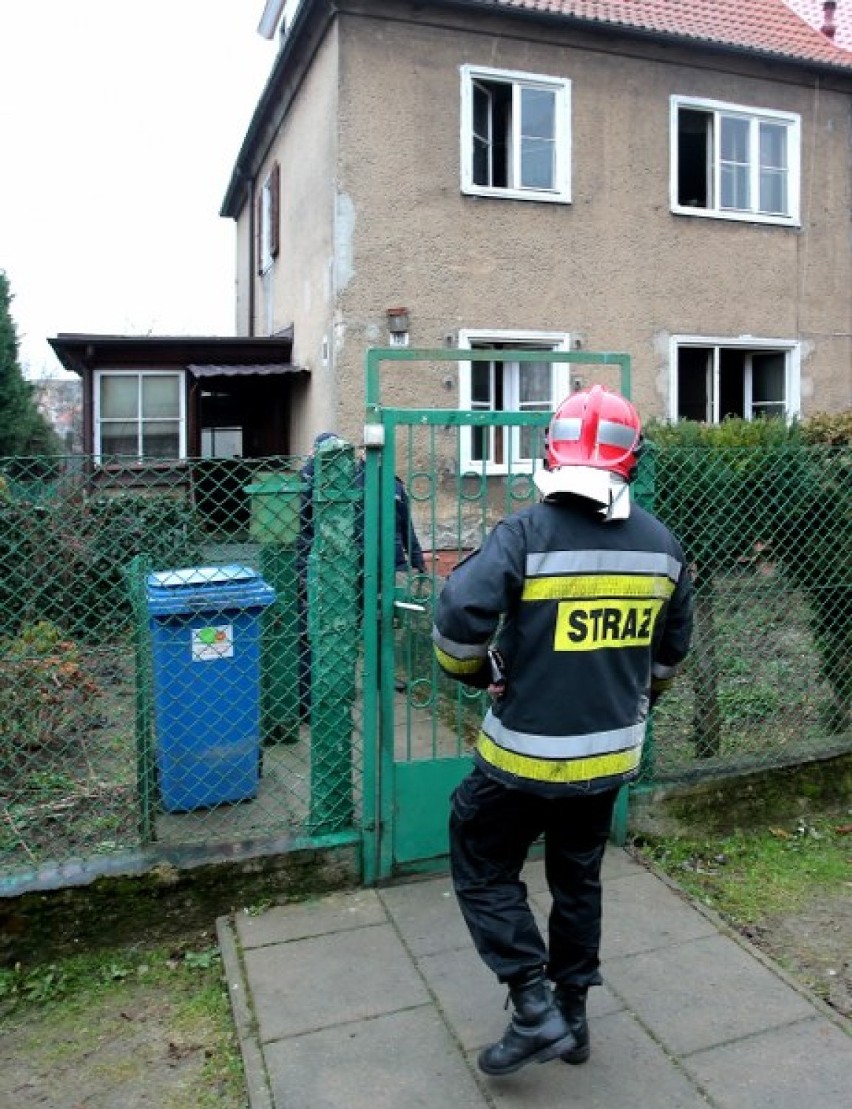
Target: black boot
[536,1033]
[572,1004]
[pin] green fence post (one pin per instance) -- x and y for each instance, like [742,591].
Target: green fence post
[334,605]
[275,525]
[136,576]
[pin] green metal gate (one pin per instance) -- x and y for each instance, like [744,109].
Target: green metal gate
[418,726]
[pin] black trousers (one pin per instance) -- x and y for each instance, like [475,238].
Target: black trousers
[492,828]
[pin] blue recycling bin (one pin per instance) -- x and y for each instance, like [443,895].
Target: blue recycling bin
[205,634]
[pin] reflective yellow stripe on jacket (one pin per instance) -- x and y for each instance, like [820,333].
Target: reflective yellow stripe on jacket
[558,770]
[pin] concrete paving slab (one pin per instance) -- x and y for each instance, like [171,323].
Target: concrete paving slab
[641,913]
[627,1070]
[469,996]
[619,864]
[427,915]
[333,912]
[703,992]
[312,983]
[377,1000]
[406,1060]
[806,1065]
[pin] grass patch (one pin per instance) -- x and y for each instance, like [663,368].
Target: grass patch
[748,877]
[121,1021]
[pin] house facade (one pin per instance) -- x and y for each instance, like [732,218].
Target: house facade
[667,179]
[179,397]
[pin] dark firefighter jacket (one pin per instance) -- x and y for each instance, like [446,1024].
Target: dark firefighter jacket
[593,618]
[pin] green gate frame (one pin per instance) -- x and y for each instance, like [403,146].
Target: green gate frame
[379,780]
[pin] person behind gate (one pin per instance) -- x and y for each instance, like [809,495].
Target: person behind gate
[575,614]
[407,549]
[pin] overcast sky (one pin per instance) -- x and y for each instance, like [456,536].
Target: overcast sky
[120,123]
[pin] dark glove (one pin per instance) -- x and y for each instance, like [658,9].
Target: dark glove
[659,686]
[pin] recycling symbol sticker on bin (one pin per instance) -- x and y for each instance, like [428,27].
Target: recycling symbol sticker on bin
[210,644]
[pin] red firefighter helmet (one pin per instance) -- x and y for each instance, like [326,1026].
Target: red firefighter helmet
[595,427]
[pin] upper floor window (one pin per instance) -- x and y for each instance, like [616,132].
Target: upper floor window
[489,385]
[715,378]
[268,217]
[733,162]
[515,135]
[139,415]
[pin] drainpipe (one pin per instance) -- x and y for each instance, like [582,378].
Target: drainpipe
[251,257]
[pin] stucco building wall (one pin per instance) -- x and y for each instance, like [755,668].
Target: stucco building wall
[372,214]
[308,269]
[615,267]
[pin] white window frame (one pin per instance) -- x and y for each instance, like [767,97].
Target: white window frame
[792,377]
[470,338]
[561,87]
[99,375]
[267,257]
[754,116]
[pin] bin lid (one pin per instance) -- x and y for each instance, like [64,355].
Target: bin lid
[200,588]
[202,575]
[269,483]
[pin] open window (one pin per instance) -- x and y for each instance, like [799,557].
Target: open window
[535,385]
[732,162]
[515,135]
[268,219]
[714,379]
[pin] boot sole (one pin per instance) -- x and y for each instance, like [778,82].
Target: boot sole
[575,1058]
[543,1055]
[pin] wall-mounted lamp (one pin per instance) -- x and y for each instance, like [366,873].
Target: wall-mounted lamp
[397,320]
[398,326]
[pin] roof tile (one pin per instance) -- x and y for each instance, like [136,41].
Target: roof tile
[763,26]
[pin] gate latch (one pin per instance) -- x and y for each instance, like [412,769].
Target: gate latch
[409,606]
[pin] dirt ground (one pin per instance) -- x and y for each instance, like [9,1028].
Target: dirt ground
[814,946]
[127,1051]
[139,1046]
[121,1053]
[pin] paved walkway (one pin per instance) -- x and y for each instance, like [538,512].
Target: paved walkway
[375,999]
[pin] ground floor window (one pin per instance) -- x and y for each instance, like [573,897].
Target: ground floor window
[221,442]
[714,379]
[510,385]
[139,415]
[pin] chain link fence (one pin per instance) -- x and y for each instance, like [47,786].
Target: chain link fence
[181,670]
[768,534]
[178,671]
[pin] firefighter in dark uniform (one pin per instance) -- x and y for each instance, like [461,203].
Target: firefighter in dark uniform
[575,613]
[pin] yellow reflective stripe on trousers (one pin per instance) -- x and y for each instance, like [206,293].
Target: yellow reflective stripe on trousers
[597,586]
[558,770]
[458,665]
